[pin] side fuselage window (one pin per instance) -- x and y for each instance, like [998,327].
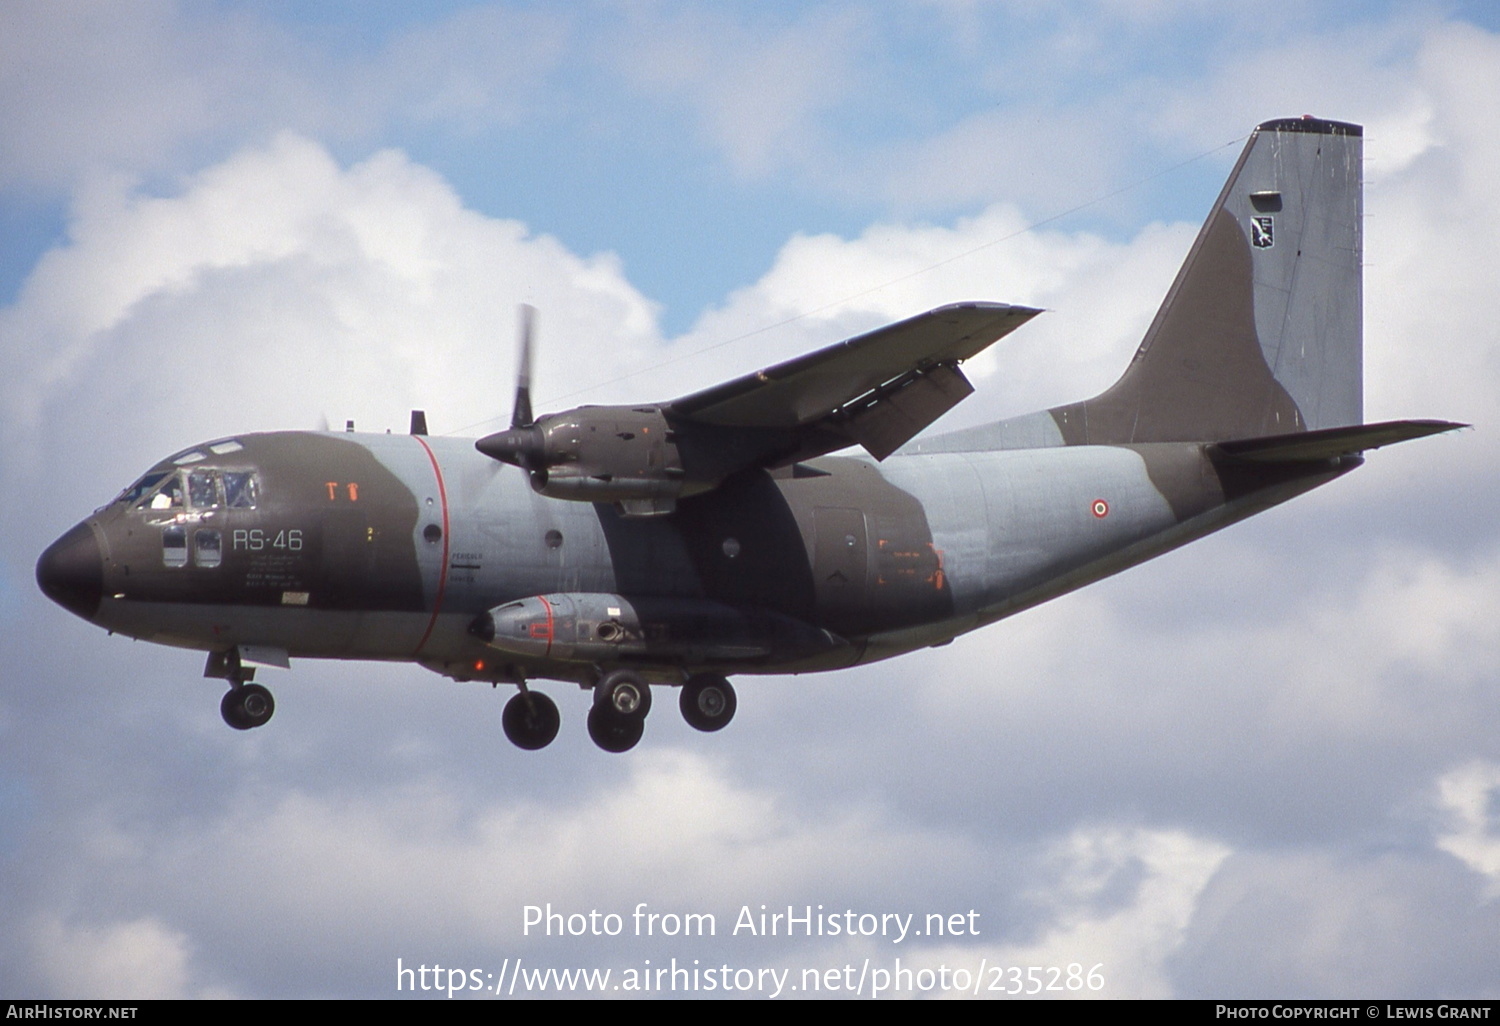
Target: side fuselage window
[208,547]
[174,550]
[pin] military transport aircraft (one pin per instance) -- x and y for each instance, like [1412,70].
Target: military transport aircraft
[677,543]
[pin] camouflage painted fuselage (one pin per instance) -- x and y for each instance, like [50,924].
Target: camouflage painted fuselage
[389,547]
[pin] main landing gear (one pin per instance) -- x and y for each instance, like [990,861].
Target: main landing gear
[530,720]
[707,702]
[617,718]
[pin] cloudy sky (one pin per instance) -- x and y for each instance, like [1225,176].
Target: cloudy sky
[1267,764]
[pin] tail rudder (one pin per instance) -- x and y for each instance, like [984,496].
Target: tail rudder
[1261,332]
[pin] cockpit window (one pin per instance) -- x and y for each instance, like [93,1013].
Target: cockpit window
[169,495]
[133,494]
[241,489]
[203,489]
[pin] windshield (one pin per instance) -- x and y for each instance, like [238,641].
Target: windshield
[201,488]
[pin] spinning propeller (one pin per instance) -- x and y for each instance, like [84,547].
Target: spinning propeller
[523,445]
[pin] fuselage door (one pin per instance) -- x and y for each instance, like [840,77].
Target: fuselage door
[840,567]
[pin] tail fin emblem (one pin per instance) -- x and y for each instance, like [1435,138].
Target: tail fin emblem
[1263,232]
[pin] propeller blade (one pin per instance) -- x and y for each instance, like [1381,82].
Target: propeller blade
[521,446]
[521,415]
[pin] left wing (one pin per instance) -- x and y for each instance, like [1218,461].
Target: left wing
[878,389]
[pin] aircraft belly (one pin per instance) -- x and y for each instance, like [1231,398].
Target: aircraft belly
[306,633]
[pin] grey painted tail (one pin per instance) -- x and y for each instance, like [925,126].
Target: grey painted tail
[1261,332]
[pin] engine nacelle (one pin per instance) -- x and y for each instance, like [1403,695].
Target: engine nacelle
[638,495]
[622,454]
[592,627]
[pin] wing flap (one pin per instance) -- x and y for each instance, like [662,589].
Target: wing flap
[894,417]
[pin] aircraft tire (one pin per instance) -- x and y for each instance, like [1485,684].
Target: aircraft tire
[247,706]
[229,708]
[708,702]
[623,694]
[530,720]
[615,733]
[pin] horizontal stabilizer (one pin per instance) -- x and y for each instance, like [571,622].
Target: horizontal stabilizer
[1329,443]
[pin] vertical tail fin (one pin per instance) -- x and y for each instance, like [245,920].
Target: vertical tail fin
[1261,332]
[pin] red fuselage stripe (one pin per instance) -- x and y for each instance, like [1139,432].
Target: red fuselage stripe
[550,625]
[437,605]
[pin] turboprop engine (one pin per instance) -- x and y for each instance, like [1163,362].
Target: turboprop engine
[617,454]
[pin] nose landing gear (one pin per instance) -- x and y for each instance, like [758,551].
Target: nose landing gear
[244,706]
[247,706]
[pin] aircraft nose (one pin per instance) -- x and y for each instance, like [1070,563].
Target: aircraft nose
[71,572]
